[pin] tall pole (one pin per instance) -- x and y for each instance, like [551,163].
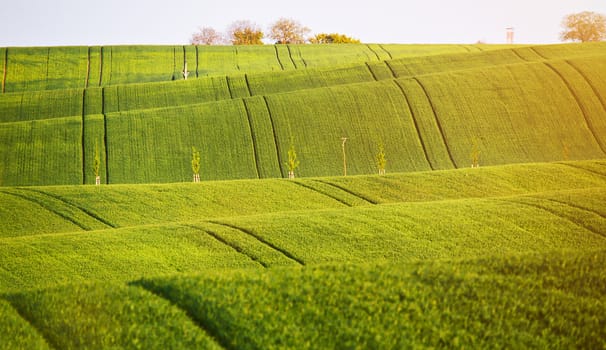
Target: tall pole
[344,157]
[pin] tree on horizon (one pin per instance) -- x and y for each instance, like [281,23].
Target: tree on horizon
[584,27]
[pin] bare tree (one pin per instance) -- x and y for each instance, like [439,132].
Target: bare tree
[245,33]
[206,36]
[288,31]
[584,26]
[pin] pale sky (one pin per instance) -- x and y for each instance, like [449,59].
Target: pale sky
[114,22]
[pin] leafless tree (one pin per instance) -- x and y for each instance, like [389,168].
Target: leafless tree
[288,31]
[206,36]
[584,26]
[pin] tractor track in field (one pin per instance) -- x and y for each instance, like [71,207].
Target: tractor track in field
[437,120]
[273,131]
[593,88]
[278,57]
[374,52]
[252,137]
[82,137]
[344,189]
[48,208]
[229,244]
[386,51]
[5,70]
[416,124]
[72,205]
[290,56]
[575,166]
[555,213]
[371,72]
[261,240]
[298,183]
[581,106]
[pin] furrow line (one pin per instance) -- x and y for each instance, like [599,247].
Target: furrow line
[556,214]
[273,130]
[105,148]
[374,52]
[416,124]
[578,207]
[231,95]
[344,189]
[101,49]
[5,70]
[393,72]
[87,69]
[593,88]
[82,136]
[290,55]
[227,243]
[262,240]
[580,105]
[575,166]
[75,206]
[537,52]
[48,208]
[371,72]
[197,61]
[322,193]
[387,52]
[435,115]
[247,84]
[253,138]
[278,57]
[515,52]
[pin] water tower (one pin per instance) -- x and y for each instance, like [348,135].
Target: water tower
[509,35]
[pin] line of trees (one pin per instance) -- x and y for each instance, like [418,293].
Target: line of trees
[283,31]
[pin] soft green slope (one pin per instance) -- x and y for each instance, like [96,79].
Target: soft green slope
[538,300]
[54,209]
[166,229]
[535,301]
[521,104]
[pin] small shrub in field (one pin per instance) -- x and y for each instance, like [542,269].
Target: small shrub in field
[293,162]
[195,164]
[381,160]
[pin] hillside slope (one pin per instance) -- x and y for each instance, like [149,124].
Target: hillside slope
[431,111]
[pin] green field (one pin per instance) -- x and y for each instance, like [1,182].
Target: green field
[433,254]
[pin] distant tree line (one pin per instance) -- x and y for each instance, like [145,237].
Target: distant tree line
[283,31]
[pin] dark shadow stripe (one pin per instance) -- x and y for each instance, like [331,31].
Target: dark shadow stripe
[278,57]
[580,105]
[273,130]
[371,72]
[227,243]
[344,189]
[75,206]
[322,193]
[435,115]
[48,208]
[416,124]
[290,55]
[387,52]
[253,138]
[262,240]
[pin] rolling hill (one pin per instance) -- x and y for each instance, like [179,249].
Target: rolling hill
[433,254]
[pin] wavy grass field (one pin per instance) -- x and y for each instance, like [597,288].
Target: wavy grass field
[433,254]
